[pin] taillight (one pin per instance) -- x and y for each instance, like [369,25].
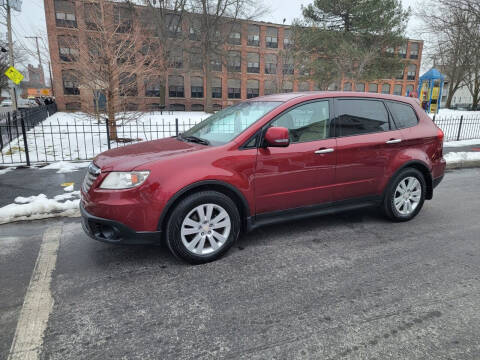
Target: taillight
[440,134]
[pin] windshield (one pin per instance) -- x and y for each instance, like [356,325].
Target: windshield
[227,124]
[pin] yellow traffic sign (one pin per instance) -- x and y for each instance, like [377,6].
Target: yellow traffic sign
[14,75]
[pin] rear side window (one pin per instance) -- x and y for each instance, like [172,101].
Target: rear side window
[356,117]
[403,115]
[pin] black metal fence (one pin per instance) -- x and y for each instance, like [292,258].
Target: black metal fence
[460,127]
[25,137]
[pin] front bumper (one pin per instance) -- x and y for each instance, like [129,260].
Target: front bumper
[114,232]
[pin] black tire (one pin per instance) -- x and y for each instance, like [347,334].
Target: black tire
[388,202]
[175,220]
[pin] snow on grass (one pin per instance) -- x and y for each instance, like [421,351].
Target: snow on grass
[41,207]
[461,143]
[449,121]
[77,136]
[450,113]
[461,156]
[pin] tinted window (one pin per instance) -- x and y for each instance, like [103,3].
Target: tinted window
[403,115]
[355,117]
[308,122]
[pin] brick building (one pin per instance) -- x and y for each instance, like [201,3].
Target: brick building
[253,67]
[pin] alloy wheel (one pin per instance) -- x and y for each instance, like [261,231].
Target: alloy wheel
[407,195]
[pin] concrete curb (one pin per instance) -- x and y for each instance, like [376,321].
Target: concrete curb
[463,164]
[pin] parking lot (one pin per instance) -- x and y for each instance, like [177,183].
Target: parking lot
[345,286]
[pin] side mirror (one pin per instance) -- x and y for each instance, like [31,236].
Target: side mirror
[277,136]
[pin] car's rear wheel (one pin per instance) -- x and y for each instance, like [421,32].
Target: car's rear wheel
[202,227]
[405,195]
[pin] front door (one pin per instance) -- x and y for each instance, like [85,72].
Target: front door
[303,173]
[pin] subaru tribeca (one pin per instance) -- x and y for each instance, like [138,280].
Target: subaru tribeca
[272,158]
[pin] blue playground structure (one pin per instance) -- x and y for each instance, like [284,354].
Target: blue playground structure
[431,86]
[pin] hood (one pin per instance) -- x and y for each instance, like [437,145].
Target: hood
[130,157]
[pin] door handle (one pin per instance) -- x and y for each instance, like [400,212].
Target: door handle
[393,141]
[324,151]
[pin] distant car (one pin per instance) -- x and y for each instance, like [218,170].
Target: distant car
[6,102]
[264,160]
[26,103]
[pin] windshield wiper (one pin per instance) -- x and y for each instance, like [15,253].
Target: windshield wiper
[194,139]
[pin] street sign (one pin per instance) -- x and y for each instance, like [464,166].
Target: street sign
[14,75]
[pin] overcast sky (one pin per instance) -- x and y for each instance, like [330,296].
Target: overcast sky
[31,20]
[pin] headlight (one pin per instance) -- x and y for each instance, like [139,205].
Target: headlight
[124,180]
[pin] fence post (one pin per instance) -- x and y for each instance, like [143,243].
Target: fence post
[176,126]
[25,142]
[460,128]
[108,133]
[434,117]
[9,127]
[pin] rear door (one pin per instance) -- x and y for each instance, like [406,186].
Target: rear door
[303,173]
[367,141]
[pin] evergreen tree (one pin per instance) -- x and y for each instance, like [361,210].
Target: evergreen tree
[350,38]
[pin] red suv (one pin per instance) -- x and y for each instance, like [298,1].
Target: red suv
[268,159]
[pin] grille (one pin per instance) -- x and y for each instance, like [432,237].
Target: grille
[90,177]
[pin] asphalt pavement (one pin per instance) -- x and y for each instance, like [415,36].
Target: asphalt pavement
[345,286]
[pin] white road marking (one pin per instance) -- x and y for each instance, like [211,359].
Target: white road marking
[38,303]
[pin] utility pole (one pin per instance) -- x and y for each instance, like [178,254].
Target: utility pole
[11,60]
[40,67]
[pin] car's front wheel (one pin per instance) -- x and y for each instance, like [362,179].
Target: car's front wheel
[405,195]
[202,227]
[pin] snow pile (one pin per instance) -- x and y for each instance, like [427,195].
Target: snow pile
[462,156]
[40,207]
[65,166]
[461,143]
[450,113]
[4,171]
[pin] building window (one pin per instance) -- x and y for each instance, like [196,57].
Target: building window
[195,30]
[215,62]
[148,22]
[125,52]
[373,88]
[68,48]
[347,86]
[360,87]
[175,86]
[173,25]
[253,88]
[287,38]
[234,88]
[287,86]
[234,63]
[152,86]
[175,58]
[397,89]
[271,38]
[65,13]
[390,51]
[123,19]
[270,64]
[253,35]
[216,107]
[92,16]
[177,107]
[127,84]
[196,87]
[73,106]
[288,68]
[149,50]
[408,90]
[197,107]
[414,50]
[235,36]
[400,74]
[412,71]
[70,82]
[304,86]
[196,60]
[131,107]
[155,107]
[269,87]
[217,88]
[386,89]
[402,51]
[253,63]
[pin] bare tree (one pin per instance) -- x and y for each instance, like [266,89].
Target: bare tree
[213,26]
[111,59]
[447,28]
